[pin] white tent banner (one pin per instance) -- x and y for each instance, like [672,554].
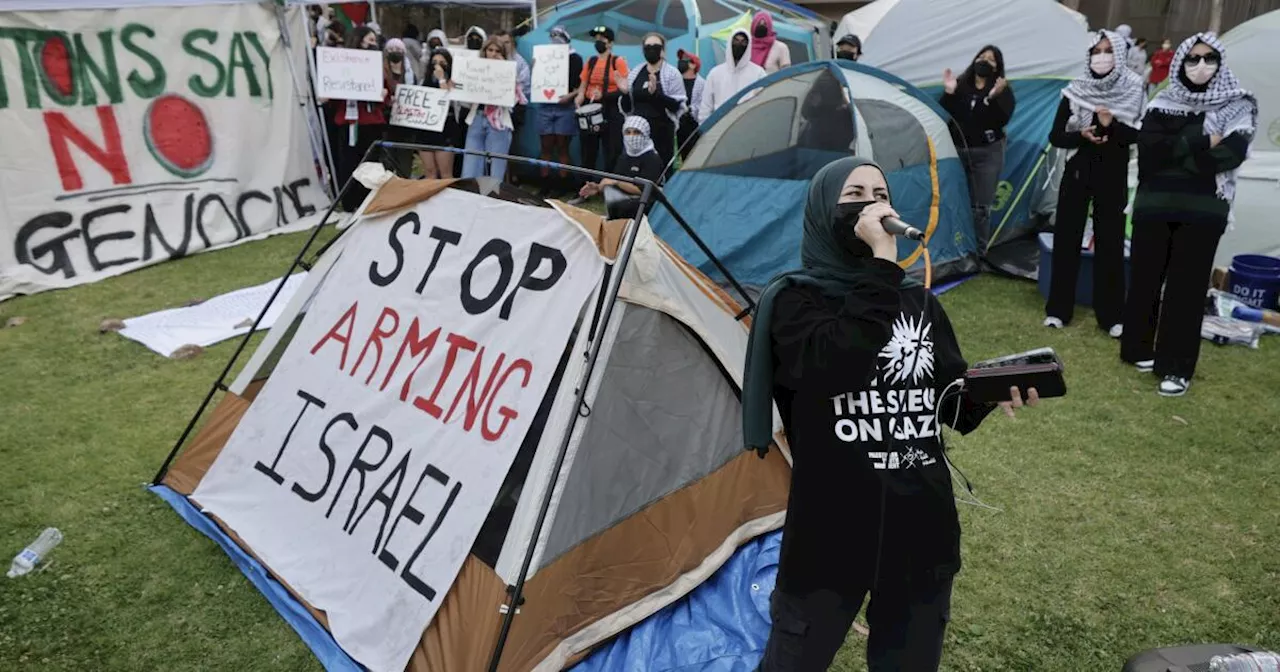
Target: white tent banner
[486,81]
[550,77]
[133,136]
[421,107]
[349,74]
[365,468]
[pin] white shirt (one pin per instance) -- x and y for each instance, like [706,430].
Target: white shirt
[728,78]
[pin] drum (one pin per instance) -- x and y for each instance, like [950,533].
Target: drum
[591,117]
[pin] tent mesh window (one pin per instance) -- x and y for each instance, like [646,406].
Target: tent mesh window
[630,19]
[710,11]
[898,140]
[785,130]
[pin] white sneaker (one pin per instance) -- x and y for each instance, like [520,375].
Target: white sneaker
[1173,386]
[1116,331]
[1146,365]
[1053,323]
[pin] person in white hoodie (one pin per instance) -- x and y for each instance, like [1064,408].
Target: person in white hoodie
[735,74]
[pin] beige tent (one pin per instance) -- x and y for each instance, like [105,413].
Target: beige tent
[650,493]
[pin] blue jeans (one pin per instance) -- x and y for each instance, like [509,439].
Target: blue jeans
[483,137]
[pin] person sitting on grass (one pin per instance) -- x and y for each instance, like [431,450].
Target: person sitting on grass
[640,159]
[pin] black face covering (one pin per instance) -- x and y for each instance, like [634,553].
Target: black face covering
[683,65]
[434,44]
[845,216]
[601,46]
[983,69]
[474,41]
[374,47]
[395,57]
[761,31]
[653,53]
[738,51]
[847,55]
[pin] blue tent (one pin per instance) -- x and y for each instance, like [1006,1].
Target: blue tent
[687,24]
[742,187]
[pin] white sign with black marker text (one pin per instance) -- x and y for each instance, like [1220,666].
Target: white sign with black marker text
[421,107]
[487,81]
[366,466]
[349,74]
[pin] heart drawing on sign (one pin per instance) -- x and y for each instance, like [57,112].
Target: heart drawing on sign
[550,94]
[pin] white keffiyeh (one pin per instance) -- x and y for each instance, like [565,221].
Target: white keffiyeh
[672,86]
[1120,91]
[1226,107]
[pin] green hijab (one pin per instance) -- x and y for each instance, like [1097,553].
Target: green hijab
[826,263]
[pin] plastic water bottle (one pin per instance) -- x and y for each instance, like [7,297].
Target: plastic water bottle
[1246,662]
[31,556]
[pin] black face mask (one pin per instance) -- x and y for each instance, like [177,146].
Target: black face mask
[846,55]
[983,69]
[844,217]
[653,53]
[738,51]
[761,31]
[333,42]
[373,47]
[434,44]
[601,46]
[395,57]
[683,65]
[474,42]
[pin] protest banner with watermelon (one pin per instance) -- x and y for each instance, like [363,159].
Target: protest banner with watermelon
[143,134]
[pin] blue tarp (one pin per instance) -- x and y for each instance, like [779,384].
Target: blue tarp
[308,628]
[722,626]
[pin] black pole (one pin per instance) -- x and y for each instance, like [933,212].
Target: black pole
[611,294]
[244,342]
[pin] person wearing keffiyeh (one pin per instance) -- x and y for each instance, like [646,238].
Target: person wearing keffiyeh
[1194,137]
[1097,122]
[657,93]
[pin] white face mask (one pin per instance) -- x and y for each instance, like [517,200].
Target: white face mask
[1201,72]
[1101,64]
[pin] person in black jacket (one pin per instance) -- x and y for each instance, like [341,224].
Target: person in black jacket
[981,103]
[1097,123]
[1194,137]
[861,368]
[657,94]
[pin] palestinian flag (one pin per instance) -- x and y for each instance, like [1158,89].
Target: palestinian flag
[351,14]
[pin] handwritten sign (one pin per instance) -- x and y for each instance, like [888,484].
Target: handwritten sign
[550,79]
[463,52]
[421,107]
[349,74]
[487,81]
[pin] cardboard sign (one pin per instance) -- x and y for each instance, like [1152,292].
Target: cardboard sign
[550,81]
[349,74]
[142,134]
[487,81]
[422,107]
[368,463]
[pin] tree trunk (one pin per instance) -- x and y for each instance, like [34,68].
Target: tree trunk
[1215,16]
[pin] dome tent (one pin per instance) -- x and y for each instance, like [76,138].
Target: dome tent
[1251,56]
[743,186]
[1044,45]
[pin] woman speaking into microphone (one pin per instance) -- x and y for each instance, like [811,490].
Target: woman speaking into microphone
[861,366]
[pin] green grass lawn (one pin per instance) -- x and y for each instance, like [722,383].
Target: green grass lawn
[1129,521]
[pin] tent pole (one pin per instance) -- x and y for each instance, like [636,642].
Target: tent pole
[697,240]
[244,342]
[611,298]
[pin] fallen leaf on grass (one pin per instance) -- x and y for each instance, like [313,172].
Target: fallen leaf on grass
[110,324]
[187,351]
[862,629]
[1181,420]
[15,322]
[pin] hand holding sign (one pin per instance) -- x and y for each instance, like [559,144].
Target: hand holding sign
[420,107]
[550,77]
[486,81]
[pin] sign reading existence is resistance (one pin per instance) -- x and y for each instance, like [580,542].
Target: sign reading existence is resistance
[133,136]
[363,471]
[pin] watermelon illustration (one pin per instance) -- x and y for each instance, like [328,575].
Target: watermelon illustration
[178,135]
[55,67]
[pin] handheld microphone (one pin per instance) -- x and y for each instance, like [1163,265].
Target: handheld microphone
[897,227]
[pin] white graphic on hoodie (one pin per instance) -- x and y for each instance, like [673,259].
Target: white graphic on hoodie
[909,353]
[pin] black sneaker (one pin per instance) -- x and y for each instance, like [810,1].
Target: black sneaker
[1173,386]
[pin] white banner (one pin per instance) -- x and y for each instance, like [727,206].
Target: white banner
[487,81]
[550,79]
[421,107]
[349,74]
[365,468]
[133,136]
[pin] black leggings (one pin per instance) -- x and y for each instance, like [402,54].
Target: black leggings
[1106,183]
[907,616]
[663,133]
